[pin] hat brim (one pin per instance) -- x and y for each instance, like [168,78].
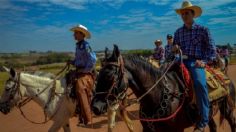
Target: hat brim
[85,32]
[197,10]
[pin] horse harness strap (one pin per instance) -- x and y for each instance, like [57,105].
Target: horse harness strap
[25,101]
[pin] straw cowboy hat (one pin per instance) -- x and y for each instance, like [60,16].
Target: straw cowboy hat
[83,29]
[188,5]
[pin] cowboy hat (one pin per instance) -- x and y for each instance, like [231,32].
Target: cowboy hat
[158,41]
[82,29]
[188,5]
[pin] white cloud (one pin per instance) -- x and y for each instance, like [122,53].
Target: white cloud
[160,2]
[231,20]
[7,5]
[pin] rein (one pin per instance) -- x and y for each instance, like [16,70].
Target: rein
[157,82]
[28,99]
[135,101]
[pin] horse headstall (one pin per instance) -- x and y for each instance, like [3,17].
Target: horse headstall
[115,82]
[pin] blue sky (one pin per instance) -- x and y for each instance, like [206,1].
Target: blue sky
[132,24]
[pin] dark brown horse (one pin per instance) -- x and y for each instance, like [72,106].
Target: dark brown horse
[131,71]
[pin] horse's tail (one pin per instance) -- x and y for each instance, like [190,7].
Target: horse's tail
[230,100]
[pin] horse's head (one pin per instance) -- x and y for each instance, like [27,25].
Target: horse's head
[110,82]
[9,97]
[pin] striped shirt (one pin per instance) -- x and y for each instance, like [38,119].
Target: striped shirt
[196,43]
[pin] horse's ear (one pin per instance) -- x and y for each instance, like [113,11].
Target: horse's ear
[6,69]
[12,73]
[106,52]
[116,51]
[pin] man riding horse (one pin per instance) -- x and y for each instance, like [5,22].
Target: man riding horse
[159,52]
[198,49]
[85,60]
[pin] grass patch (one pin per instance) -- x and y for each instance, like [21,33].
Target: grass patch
[3,78]
[232,60]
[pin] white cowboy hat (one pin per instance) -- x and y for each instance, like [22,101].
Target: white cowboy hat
[188,5]
[158,41]
[83,29]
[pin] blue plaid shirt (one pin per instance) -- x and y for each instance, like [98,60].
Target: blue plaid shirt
[196,42]
[85,58]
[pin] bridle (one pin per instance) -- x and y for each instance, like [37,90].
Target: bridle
[116,83]
[15,89]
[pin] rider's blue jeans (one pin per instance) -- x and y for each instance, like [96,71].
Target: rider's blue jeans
[201,91]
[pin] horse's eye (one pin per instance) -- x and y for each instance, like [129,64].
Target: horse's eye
[7,89]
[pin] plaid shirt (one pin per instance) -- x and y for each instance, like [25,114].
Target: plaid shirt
[196,42]
[159,53]
[85,58]
[224,52]
[168,51]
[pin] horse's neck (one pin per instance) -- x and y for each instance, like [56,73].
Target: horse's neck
[139,79]
[33,86]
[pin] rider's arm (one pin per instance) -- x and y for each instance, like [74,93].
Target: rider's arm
[210,45]
[176,42]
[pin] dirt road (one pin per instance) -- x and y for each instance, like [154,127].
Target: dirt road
[14,122]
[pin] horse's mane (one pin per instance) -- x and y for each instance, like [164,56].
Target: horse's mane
[36,81]
[141,63]
[35,78]
[44,74]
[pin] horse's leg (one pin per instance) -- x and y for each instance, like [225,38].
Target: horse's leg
[227,112]
[212,125]
[127,120]
[125,116]
[66,127]
[56,126]
[61,119]
[111,118]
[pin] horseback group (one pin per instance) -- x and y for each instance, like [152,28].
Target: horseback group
[172,97]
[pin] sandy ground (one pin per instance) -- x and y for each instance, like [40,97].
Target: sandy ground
[14,122]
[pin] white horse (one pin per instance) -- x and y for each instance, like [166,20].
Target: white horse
[40,89]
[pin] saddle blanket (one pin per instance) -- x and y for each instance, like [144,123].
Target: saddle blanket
[217,82]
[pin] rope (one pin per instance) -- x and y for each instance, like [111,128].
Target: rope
[45,119]
[157,82]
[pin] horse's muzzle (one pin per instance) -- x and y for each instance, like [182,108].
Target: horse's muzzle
[5,108]
[99,107]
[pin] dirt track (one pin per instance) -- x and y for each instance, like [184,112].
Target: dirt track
[14,122]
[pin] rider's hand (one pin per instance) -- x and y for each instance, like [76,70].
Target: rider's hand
[175,48]
[151,57]
[199,63]
[212,63]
